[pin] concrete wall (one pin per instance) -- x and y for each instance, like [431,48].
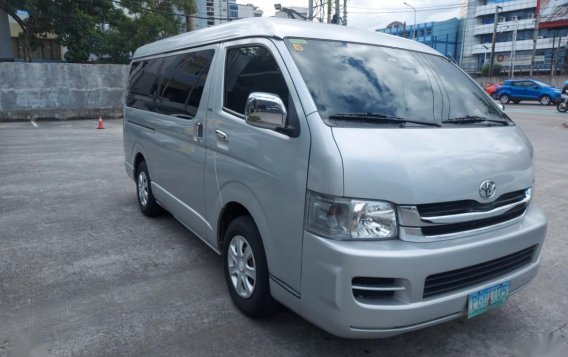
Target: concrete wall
[61,90]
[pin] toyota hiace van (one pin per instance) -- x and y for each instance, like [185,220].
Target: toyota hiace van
[360,179]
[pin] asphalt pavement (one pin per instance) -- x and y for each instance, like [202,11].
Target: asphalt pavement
[83,272]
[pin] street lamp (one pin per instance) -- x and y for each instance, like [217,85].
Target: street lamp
[414,26]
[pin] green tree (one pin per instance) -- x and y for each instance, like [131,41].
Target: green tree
[496,70]
[72,20]
[148,21]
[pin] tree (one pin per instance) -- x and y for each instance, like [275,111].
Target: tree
[73,21]
[148,21]
[496,70]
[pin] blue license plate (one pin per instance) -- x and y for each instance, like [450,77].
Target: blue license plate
[486,299]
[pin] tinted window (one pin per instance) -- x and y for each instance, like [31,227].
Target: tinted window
[171,85]
[182,81]
[350,78]
[143,84]
[251,69]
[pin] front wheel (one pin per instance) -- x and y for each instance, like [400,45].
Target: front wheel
[504,99]
[544,100]
[562,107]
[246,270]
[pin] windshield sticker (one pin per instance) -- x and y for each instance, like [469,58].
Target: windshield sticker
[298,47]
[299,41]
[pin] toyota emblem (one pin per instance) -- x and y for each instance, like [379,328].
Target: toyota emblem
[487,189]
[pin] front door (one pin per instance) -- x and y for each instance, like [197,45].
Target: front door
[266,169]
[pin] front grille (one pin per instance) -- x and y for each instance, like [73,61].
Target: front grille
[467,206]
[471,225]
[461,278]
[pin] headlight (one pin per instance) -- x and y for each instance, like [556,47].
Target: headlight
[342,218]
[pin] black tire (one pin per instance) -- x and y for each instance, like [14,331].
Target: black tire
[516,101]
[148,206]
[259,302]
[562,107]
[504,99]
[494,95]
[545,100]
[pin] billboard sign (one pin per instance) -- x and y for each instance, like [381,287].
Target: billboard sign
[553,13]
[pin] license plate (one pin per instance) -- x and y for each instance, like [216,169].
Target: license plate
[486,299]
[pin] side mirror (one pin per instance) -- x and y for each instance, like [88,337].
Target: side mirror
[265,110]
[501,106]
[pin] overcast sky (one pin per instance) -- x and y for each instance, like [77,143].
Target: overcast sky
[371,14]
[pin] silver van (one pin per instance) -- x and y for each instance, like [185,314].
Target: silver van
[360,179]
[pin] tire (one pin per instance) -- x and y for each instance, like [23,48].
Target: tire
[246,270]
[562,107]
[516,101]
[494,95]
[146,201]
[544,100]
[504,99]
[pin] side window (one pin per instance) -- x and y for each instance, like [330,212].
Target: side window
[251,69]
[143,84]
[182,80]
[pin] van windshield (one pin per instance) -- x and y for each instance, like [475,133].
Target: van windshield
[379,85]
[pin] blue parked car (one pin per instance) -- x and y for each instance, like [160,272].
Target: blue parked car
[516,90]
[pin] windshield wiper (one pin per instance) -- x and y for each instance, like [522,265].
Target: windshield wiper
[378,117]
[468,119]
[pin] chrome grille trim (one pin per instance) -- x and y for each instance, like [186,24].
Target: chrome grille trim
[411,222]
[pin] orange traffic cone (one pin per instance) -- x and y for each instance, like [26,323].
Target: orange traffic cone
[101,125]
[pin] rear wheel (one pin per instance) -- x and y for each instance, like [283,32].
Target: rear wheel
[146,200]
[504,99]
[544,100]
[494,95]
[246,270]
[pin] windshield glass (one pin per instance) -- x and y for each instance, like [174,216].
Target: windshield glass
[542,84]
[350,78]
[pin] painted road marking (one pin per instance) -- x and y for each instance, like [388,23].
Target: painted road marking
[33,123]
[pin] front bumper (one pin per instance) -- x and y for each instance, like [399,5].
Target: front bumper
[329,266]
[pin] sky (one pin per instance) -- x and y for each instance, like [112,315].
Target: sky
[374,14]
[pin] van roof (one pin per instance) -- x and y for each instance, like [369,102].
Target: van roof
[276,28]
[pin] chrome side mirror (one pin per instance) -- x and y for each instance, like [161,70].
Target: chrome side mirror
[501,106]
[265,110]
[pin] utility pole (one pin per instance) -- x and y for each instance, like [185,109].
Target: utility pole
[535,38]
[310,10]
[337,12]
[413,26]
[328,11]
[552,58]
[512,65]
[495,21]
[344,12]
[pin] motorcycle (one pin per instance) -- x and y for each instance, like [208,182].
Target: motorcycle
[562,107]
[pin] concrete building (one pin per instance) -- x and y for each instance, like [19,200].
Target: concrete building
[248,10]
[442,36]
[48,48]
[516,21]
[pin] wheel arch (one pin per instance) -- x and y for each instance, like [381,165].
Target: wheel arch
[238,200]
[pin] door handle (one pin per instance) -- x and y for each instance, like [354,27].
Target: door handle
[221,135]
[198,132]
